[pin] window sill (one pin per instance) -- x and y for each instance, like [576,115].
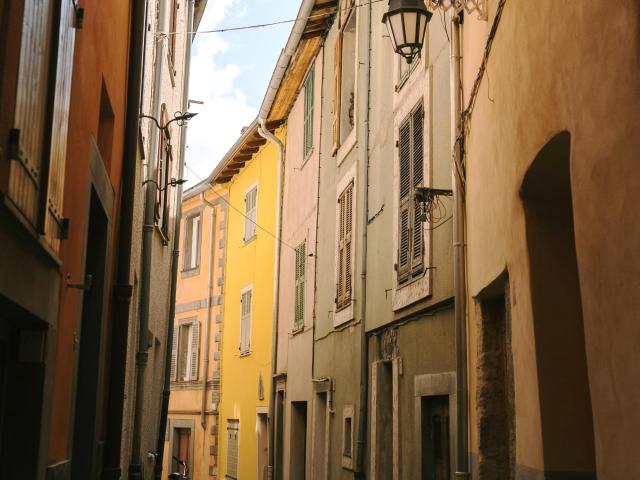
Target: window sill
[412,291]
[190,273]
[346,147]
[297,330]
[249,240]
[245,354]
[343,315]
[306,158]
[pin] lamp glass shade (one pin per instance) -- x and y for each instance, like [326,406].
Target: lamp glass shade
[406,22]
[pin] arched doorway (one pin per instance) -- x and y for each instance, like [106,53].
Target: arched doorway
[565,402]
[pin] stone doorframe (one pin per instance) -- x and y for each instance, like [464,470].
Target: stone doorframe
[434,385]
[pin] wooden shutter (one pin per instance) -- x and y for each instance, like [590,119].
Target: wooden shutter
[233,452]
[308,111]
[60,126]
[301,256]
[337,90]
[195,239]
[174,354]
[417,247]
[194,350]
[251,204]
[187,243]
[30,109]
[345,229]
[245,322]
[172,34]
[405,203]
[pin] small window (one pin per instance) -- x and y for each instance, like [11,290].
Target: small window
[300,274]
[191,246]
[233,451]
[251,217]
[411,173]
[347,436]
[344,75]
[185,354]
[345,229]
[245,322]
[308,112]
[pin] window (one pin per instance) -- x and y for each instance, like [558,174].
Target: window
[347,436]
[251,213]
[411,166]
[191,245]
[245,322]
[345,228]
[185,354]
[344,76]
[163,176]
[301,261]
[181,448]
[308,112]
[233,453]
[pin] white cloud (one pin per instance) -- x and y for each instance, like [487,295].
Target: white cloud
[226,109]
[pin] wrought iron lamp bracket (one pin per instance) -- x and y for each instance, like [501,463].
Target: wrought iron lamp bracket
[469,6]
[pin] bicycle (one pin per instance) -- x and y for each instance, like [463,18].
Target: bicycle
[177,475]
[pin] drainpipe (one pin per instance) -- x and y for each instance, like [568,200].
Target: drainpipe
[364,345]
[164,410]
[459,267]
[142,355]
[122,290]
[209,307]
[266,134]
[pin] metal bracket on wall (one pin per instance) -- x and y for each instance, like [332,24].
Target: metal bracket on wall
[86,286]
[469,6]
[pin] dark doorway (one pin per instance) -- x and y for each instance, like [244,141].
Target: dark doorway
[22,371]
[436,458]
[384,420]
[279,460]
[298,440]
[320,436]
[496,412]
[563,384]
[84,461]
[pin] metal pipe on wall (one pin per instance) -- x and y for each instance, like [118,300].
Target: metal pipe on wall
[364,344]
[207,329]
[266,134]
[459,258]
[164,411]
[142,355]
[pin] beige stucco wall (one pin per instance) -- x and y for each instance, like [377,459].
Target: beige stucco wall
[562,66]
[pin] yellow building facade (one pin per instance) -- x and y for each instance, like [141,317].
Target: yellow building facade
[192,425]
[249,173]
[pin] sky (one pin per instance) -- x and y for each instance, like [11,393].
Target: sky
[230,73]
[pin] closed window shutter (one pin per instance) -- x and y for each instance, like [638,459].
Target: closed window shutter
[197,223]
[301,254]
[174,354]
[187,242]
[30,107]
[62,103]
[308,112]
[417,248]
[245,322]
[250,201]
[345,226]
[404,217]
[337,91]
[194,351]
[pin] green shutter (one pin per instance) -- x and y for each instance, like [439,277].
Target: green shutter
[308,112]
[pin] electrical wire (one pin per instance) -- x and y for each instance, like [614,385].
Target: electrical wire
[269,24]
[282,242]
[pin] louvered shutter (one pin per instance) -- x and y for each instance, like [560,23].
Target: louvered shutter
[187,243]
[30,107]
[417,247]
[245,322]
[300,286]
[174,354]
[337,91]
[405,203]
[348,227]
[250,201]
[197,223]
[340,279]
[308,111]
[62,102]
[194,350]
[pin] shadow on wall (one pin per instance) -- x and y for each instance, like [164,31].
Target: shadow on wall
[565,401]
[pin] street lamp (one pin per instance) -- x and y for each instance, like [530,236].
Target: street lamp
[179,117]
[407,21]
